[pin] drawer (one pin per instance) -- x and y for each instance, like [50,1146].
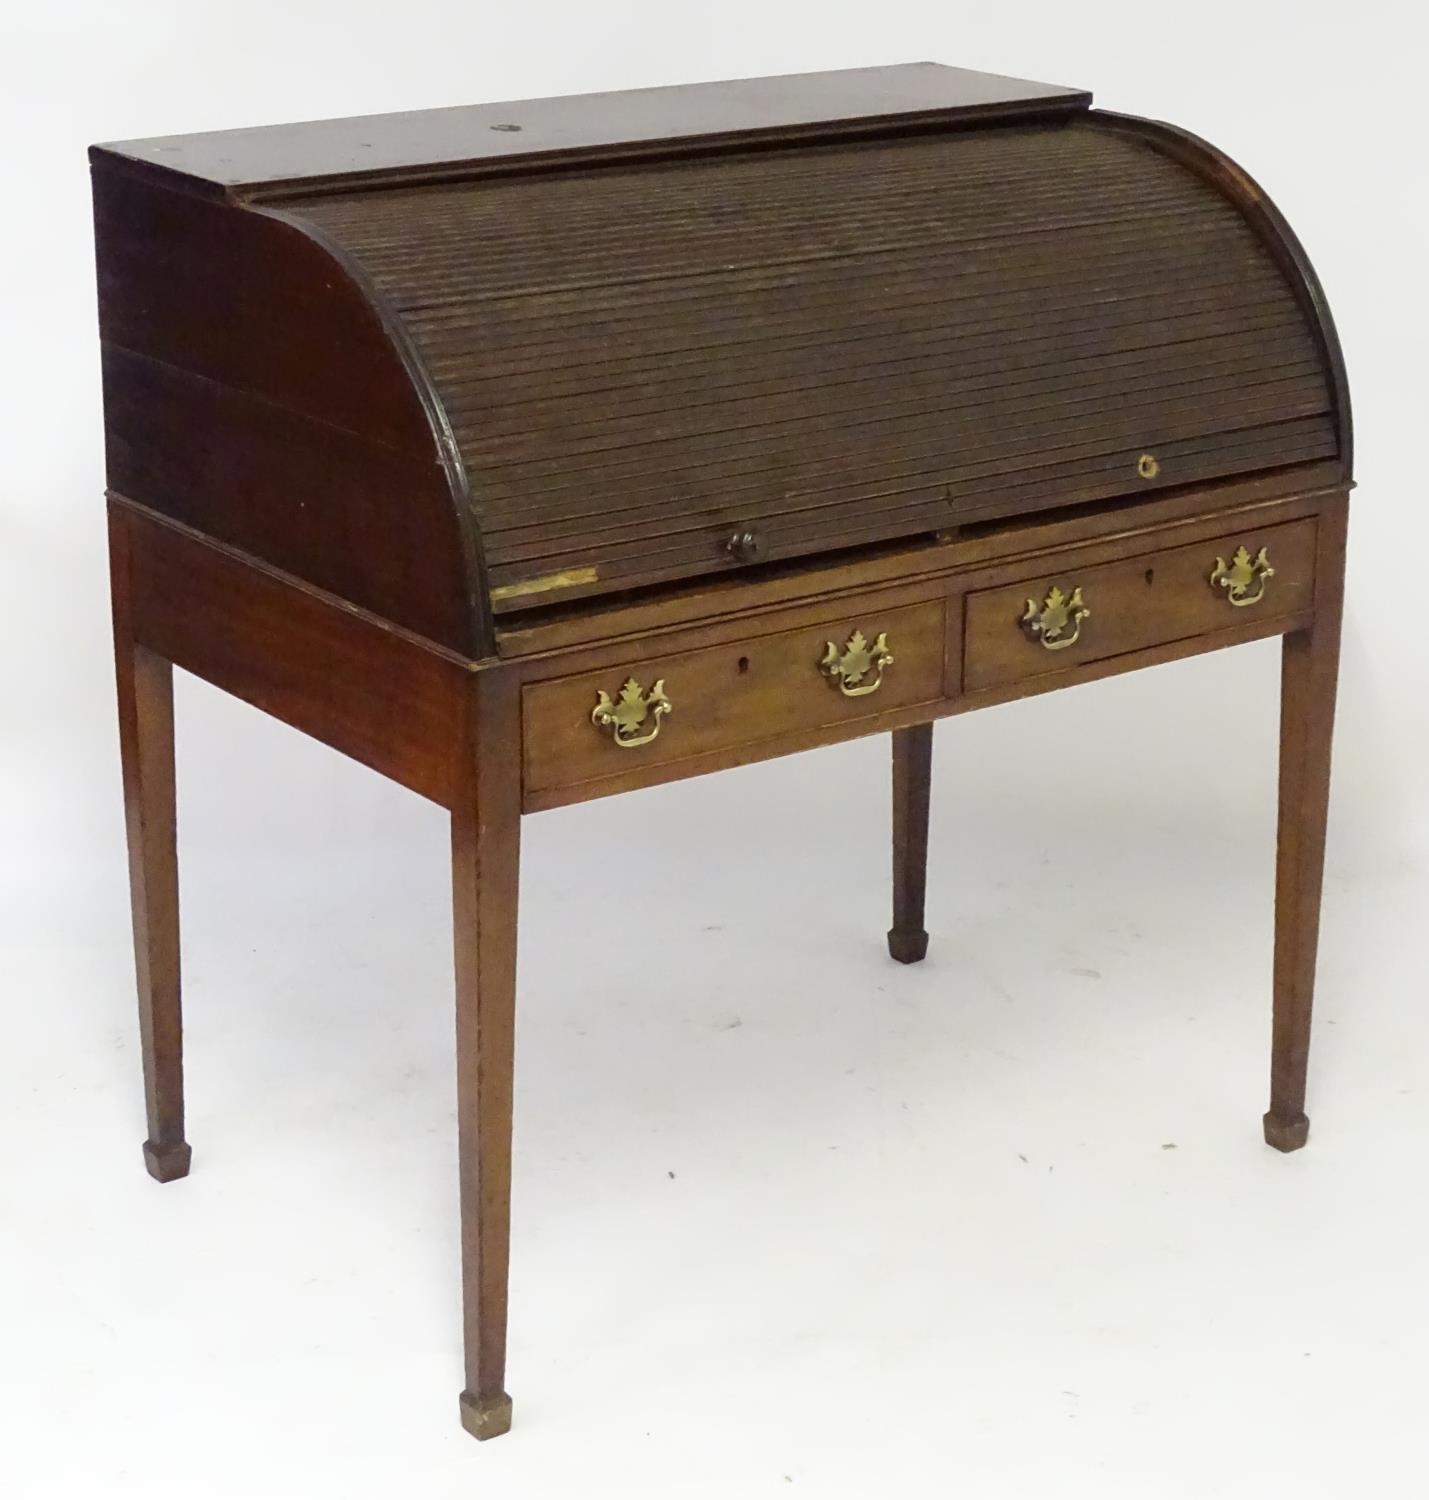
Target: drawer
[666,708]
[1049,622]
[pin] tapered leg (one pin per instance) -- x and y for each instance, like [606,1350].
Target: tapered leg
[1309,669]
[912,776]
[485,853]
[146,746]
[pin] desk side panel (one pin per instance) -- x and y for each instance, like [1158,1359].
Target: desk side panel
[253,392]
[345,679]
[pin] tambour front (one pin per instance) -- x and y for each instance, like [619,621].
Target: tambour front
[539,451]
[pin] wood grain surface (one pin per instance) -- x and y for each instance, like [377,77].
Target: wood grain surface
[1142,601]
[266,160]
[731,694]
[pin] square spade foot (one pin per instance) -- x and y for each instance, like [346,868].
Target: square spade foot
[168,1163]
[486,1416]
[1286,1135]
[908,945]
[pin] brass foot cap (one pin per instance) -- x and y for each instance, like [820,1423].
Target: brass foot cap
[485,1416]
[908,946]
[168,1163]
[1286,1135]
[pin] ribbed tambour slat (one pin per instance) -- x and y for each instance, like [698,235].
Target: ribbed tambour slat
[832,346]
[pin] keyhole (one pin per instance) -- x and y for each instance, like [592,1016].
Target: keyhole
[1151,575]
[743,664]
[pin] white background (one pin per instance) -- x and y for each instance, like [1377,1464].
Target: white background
[789,1219]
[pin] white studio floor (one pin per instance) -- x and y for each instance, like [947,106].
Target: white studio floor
[789,1218]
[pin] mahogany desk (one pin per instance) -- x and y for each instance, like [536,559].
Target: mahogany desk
[543,451]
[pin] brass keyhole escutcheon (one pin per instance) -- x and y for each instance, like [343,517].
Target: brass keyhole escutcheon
[1147,466]
[630,712]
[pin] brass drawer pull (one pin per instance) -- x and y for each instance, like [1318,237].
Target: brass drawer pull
[848,669]
[1057,622]
[1244,573]
[626,716]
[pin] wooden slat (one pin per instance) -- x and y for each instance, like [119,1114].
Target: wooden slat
[850,525]
[1052,443]
[835,346]
[716,463]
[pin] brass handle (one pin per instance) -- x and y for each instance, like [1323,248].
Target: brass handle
[848,669]
[626,716]
[1244,573]
[1057,622]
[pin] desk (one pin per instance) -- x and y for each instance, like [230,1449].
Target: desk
[537,452]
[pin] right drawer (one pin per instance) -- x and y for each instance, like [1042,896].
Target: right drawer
[1052,621]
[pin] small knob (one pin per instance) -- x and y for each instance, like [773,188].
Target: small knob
[743,546]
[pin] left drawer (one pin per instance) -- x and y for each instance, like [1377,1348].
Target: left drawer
[651,711]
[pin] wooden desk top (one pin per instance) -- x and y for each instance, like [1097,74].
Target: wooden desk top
[241,163]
